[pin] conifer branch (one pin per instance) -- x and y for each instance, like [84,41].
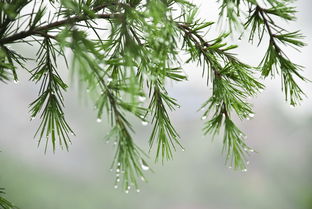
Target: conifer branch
[4,203]
[133,60]
[275,60]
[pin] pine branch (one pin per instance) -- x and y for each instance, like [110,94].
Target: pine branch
[233,81]
[50,100]
[4,203]
[125,69]
[275,60]
[41,30]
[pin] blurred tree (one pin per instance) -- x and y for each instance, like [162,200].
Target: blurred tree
[123,52]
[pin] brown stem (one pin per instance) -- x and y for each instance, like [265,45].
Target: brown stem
[42,29]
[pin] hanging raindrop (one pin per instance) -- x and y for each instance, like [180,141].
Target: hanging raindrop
[116,186]
[99,120]
[16,81]
[244,170]
[138,190]
[142,98]
[251,115]
[109,79]
[203,117]
[144,165]
[127,191]
[144,123]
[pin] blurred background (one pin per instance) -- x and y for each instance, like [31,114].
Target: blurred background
[279,175]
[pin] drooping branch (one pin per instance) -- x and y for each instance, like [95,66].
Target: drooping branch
[43,29]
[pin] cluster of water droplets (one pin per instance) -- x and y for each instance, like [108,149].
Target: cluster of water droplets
[144,167]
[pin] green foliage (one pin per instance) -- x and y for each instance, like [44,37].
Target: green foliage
[124,53]
[5,204]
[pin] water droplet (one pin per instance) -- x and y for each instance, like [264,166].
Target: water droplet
[142,178]
[118,164]
[118,179]
[127,191]
[203,117]
[32,117]
[115,143]
[111,170]
[251,115]
[245,149]
[117,170]
[142,98]
[141,116]
[88,90]
[138,190]
[99,120]
[244,170]
[251,150]
[72,133]
[144,165]
[128,188]
[109,79]
[247,118]
[183,149]
[144,123]
[230,167]
[247,163]
[292,106]
[116,186]
[223,115]
[16,81]
[178,106]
